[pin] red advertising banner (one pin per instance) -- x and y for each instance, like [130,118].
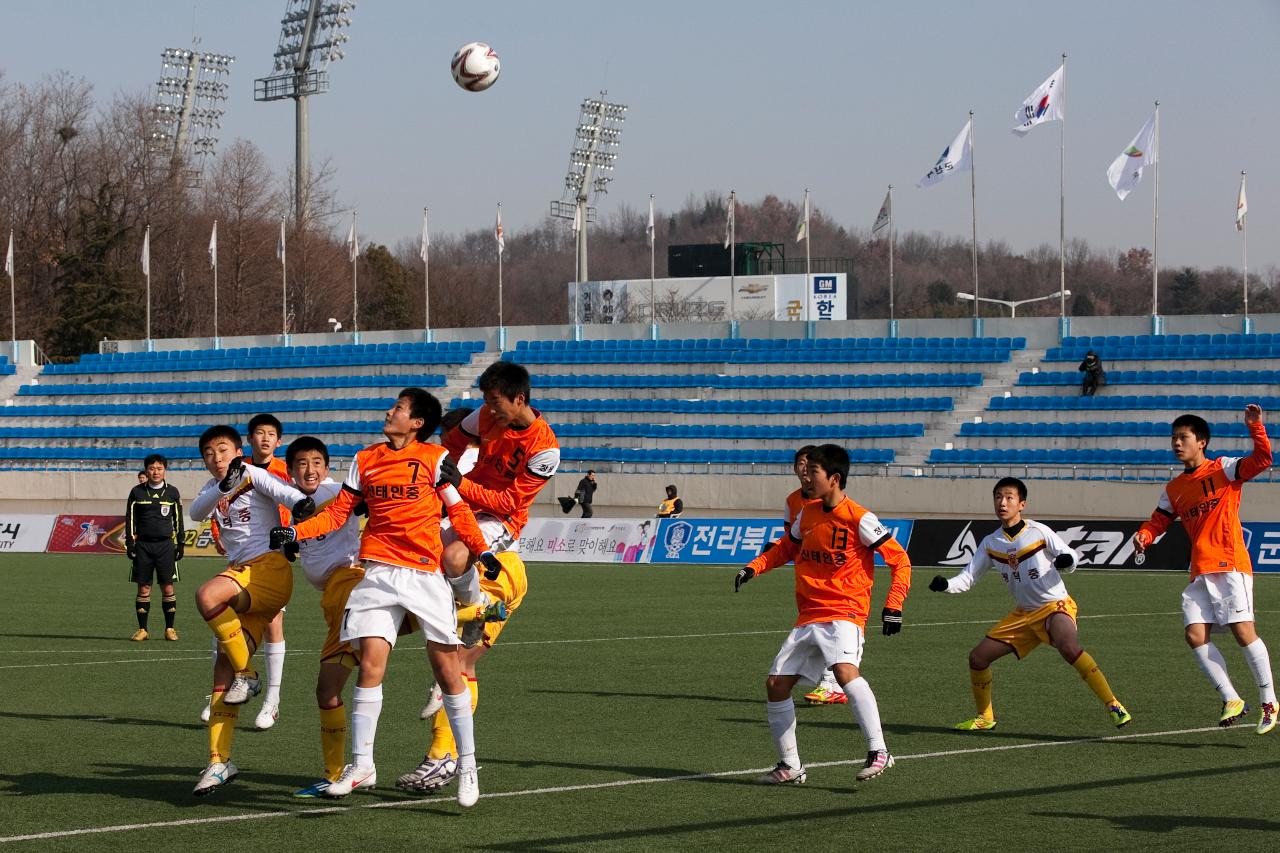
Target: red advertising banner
[87,534]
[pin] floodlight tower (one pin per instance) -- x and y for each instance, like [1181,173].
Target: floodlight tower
[187,111]
[596,140]
[310,38]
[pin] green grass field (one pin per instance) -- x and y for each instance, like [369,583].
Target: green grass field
[623,709]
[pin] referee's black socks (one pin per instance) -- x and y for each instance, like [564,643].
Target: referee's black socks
[170,605]
[143,605]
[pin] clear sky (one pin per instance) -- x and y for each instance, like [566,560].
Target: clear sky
[843,97]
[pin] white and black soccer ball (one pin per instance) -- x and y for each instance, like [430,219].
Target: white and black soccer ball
[475,66]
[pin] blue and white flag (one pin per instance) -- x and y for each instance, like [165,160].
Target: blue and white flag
[956,157]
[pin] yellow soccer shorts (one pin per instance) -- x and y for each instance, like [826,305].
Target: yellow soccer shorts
[269,581]
[509,587]
[333,601]
[1026,629]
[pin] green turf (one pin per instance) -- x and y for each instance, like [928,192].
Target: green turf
[634,673]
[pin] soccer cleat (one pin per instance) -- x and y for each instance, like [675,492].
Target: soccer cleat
[208,709]
[171,634]
[315,789]
[495,612]
[468,788]
[140,635]
[878,761]
[783,774]
[214,777]
[1231,711]
[243,688]
[431,774]
[824,695]
[977,724]
[353,778]
[267,717]
[1119,715]
[1267,721]
[435,701]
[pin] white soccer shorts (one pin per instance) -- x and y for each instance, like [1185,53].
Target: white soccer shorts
[1218,598]
[378,604]
[811,649]
[491,528]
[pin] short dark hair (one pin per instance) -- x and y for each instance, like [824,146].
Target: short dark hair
[453,417]
[423,404]
[589,471]
[803,452]
[265,419]
[303,443]
[220,431]
[833,459]
[1198,426]
[507,378]
[1011,483]
[671,491]
[153,458]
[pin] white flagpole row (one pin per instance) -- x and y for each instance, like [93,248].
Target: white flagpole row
[1062,198]
[1155,225]
[973,205]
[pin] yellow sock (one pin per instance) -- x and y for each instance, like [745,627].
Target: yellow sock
[1088,669]
[222,727]
[474,613]
[226,627]
[333,740]
[980,681]
[442,742]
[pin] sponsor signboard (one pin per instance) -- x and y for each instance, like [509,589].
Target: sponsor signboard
[87,534]
[732,540]
[26,533]
[587,540]
[1262,538]
[1101,544]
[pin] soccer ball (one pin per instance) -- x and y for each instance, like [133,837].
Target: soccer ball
[475,67]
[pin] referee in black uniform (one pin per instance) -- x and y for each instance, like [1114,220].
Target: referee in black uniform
[153,541]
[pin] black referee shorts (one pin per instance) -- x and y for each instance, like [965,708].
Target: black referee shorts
[155,559]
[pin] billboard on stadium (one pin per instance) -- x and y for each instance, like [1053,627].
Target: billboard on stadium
[820,296]
[1101,544]
[733,540]
[87,534]
[587,540]
[25,533]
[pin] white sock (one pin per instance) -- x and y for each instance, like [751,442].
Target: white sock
[466,587]
[274,657]
[1255,654]
[366,705]
[1214,667]
[866,711]
[458,707]
[782,725]
[829,681]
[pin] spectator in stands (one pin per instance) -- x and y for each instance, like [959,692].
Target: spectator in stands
[153,542]
[1094,375]
[672,506]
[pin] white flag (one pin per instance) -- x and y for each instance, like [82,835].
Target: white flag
[576,225]
[280,243]
[213,246]
[728,225]
[1047,103]
[497,233]
[353,245]
[8,258]
[426,238]
[802,227]
[648,229]
[1242,208]
[1126,171]
[146,252]
[956,157]
[885,214]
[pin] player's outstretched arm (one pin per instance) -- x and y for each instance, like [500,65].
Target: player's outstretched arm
[329,519]
[206,501]
[1260,459]
[1154,527]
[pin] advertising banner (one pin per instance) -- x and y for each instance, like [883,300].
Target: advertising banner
[25,533]
[588,540]
[826,295]
[1101,544]
[1263,541]
[746,297]
[198,539]
[87,534]
[732,541]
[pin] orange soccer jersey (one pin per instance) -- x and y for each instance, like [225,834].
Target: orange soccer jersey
[404,506]
[1207,502]
[795,502]
[513,465]
[834,551]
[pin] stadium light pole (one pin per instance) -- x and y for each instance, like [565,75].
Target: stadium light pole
[192,85]
[1012,304]
[596,140]
[310,38]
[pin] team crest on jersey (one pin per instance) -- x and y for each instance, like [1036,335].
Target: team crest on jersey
[1013,560]
[164,510]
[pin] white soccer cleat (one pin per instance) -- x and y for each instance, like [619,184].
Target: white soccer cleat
[242,689]
[352,779]
[208,709]
[214,777]
[267,717]
[431,774]
[468,787]
[435,701]
[878,761]
[783,774]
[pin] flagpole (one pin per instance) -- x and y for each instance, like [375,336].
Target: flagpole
[215,283]
[284,285]
[1155,227]
[13,302]
[355,291]
[426,274]
[500,274]
[973,206]
[807,241]
[733,239]
[1244,234]
[1062,198]
[148,271]
[891,252]
[653,239]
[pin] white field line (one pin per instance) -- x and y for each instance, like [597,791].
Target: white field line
[565,789]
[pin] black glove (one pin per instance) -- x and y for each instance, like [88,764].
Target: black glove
[744,574]
[235,474]
[492,566]
[449,473]
[178,552]
[282,535]
[1064,560]
[131,552]
[938,584]
[303,509]
[361,508]
[291,551]
[890,621]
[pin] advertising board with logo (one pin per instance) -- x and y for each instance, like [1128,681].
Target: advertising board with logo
[1101,544]
[26,533]
[87,534]
[732,540]
[587,540]
[1262,538]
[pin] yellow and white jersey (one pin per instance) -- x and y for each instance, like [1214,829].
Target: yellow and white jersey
[1025,561]
[251,510]
[322,555]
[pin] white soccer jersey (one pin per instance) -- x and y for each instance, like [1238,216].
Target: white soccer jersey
[468,460]
[1025,562]
[245,528]
[322,555]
